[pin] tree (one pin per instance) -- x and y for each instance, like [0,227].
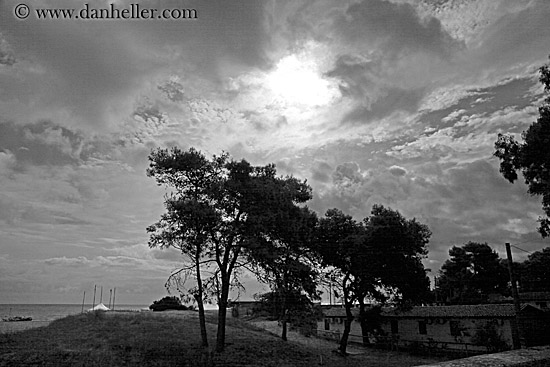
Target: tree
[288,262]
[535,271]
[293,307]
[339,241]
[472,273]
[220,215]
[167,303]
[532,157]
[189,220]
[396,247]
[379,258]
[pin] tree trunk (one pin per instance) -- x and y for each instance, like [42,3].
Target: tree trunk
[199,299]
[202,321]
[345,335]
[284,314]
[364,326]
[349,319]
[283,335]
[222,314]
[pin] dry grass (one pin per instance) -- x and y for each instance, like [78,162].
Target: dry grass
[169,339]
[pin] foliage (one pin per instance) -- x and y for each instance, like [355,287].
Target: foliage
[532,156]
[287,262]
[378,258]
[292,307]
[488,336]
[167,303]
[471,274]
[223,215]
[535,271]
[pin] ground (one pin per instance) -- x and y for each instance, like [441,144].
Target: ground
[172,338]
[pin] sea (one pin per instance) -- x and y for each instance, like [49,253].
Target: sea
[43,314]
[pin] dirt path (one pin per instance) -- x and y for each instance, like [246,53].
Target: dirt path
[319,343]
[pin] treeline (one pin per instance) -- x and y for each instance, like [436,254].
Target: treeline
[228,217]
[475,273]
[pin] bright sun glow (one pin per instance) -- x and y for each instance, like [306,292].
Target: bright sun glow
[299,82]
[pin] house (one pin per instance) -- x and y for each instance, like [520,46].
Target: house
[539,299]
[460,327]
[332,324]
[243,308]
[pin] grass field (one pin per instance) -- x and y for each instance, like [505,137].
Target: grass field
[172,339]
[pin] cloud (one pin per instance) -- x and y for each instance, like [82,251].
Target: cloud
[7,56]
[397,171]
[394,27]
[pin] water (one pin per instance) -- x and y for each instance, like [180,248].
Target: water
[43,314]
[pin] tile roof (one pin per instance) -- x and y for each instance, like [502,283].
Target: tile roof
[488,310]
[535,296]
[339,312]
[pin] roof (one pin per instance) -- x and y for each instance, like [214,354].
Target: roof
[535,296]
[490,310]
[243,303]
[339,312]
[464,311]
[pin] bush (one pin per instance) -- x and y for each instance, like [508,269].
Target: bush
[167,303]
[488,336]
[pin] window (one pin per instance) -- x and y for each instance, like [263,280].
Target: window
[455,328]
[394,327]
[422,327]
[327,324]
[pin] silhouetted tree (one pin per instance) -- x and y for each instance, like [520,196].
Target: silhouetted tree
[535,271]
[287,261]
[379,258]
[532,157]
[221,213]
[472,273]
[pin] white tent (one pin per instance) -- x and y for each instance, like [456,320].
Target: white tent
[99,307]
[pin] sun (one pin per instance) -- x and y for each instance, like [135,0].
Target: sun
[297,81]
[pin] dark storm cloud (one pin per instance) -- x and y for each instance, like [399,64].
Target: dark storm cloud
[40,143]
[396,27]
[517,36]
[387,102]
[93,71]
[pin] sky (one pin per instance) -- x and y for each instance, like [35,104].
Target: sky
[396,103]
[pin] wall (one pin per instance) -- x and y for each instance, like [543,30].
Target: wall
[439,331]
[336,326]
[438,334]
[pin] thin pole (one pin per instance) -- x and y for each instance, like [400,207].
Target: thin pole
[101,295]
[110,294]
[83,298]
[114,296]
[516,341]
[93,303]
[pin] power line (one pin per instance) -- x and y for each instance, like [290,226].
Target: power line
[519,248]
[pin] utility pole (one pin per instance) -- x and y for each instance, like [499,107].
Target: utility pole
[93,303]
[114,295]
[83,298]
[516,335]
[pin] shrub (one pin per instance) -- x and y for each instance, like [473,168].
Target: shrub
[167,303]
[489,336]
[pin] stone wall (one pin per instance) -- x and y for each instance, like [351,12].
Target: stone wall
[530,357]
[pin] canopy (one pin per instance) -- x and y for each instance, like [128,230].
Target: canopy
[99,307]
